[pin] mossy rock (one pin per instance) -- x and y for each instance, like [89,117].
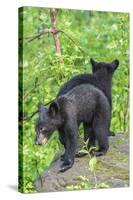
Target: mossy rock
[112,170]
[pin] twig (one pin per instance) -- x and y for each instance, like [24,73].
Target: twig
[46,31]
[31,115]
[34,113]
[79,47]
[54,31]
[33,88]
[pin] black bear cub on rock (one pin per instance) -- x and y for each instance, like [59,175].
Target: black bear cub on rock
[84,103]
[101,78]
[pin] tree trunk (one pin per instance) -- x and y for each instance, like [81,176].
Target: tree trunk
[55,35]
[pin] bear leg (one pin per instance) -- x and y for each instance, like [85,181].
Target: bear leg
[62,139]
[71,132]
[88,135]
[101,132]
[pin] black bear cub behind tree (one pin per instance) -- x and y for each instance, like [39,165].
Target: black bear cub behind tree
[83,104]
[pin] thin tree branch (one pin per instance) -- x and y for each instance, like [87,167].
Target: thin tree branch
[30,116]
[33,88]
[38,35]
[34,113]
[47,31]
[79,47]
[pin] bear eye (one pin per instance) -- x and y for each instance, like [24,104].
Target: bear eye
[42,129]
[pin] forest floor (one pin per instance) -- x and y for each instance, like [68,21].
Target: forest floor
[111,170]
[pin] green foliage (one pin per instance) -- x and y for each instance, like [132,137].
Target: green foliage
[104,35]
[84,184]
[102,185]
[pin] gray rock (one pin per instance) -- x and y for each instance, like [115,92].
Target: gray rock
[111,169]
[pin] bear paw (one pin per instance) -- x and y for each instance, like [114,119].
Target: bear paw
[65,166]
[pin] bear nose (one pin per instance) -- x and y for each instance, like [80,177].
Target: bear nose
[37,142]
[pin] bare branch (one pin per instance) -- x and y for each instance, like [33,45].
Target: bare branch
[33,88]
[30,116]
[55,35]
[46,31]
[34,113]
[79,47]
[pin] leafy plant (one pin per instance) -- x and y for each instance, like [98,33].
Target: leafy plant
[85,182]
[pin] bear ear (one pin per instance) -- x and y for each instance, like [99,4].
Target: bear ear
[40,107]
[93,62]
[115,64]
[94,65]
[53,108]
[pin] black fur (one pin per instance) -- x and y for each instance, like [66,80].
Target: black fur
[84,103]
[101,78]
